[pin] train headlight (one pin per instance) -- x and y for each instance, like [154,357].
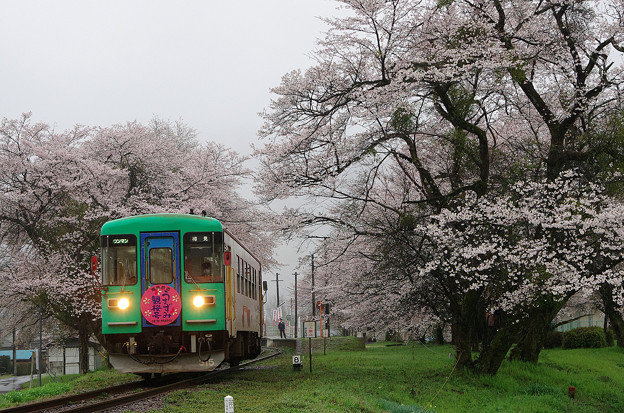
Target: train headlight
[198,301]
[120,303]
[202,300]
[124,303]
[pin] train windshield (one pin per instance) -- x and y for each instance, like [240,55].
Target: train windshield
[161,265]
[203,257]
[119,260]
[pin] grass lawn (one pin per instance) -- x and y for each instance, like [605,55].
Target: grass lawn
[53,387]
[411,378]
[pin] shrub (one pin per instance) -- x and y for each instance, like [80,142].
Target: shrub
[584,337]
[5,364]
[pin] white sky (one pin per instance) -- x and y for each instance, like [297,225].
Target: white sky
[208,63]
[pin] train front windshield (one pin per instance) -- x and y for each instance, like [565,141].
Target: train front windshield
[161,266]
[119,260]
[203,253]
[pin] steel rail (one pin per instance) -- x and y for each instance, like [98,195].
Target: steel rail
[61,401]
[126,399]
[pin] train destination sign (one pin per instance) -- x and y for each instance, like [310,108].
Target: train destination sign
[161,304]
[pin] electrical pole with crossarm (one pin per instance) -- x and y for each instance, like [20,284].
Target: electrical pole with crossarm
[277,281]
[313,298]
[296,304]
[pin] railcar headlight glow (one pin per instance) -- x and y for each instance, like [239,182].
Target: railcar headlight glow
[202,300]
[119,303]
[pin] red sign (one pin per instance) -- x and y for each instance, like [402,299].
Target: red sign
[161,304]
[93,264]
[227,258]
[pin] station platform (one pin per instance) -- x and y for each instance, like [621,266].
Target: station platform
[280,342]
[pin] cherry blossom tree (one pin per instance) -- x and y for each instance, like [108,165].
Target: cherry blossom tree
[497,269]
[439,87]
[41,211]
[416,106]
[59,188]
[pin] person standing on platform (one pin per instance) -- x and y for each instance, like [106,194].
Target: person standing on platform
[282,327]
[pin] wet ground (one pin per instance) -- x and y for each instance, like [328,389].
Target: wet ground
[13,383]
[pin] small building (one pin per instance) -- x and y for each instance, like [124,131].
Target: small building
[66,360]
[592,318]
[24,360]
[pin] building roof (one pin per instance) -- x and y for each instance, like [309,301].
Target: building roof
[20,354]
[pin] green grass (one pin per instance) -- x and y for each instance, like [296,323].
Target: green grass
[62,385]
[412,378]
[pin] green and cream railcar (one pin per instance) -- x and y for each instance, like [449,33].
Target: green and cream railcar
[180,293]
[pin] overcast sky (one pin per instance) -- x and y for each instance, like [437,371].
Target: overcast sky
[208,63]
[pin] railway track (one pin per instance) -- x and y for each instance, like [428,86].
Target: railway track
[124,394]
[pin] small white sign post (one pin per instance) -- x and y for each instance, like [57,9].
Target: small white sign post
[297,362]
[229,404]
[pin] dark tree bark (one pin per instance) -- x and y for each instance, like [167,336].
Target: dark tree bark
[83,337]
[612,313]
[492,356]
[535,330]
[464,327]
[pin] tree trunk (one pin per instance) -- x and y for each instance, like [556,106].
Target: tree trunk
[83,336]
[536,328]
[464,328]
[439,333]
[463,345]
[494,353]
[612,312]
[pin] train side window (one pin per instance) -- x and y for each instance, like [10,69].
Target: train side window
[255,284]
[247,271]
[119,260]
[252,283]
[238,275]
[243,279]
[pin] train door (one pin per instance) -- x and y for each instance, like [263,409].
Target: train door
[160,279]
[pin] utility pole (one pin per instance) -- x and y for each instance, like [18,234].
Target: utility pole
[14,355]
[277,281]
[39,353]
[313,299]
[296,319]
